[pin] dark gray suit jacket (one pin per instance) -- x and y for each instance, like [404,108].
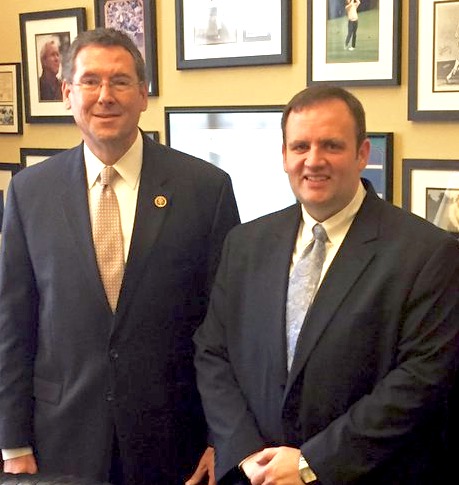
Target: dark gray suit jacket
[366,396]
[71,373]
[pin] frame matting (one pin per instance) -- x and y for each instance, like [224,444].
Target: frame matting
[375,60]
[431,190]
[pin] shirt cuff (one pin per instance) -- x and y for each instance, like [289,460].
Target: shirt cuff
[9,453]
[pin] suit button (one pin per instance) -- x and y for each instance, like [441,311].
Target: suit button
[297,426]
[109,396]
[113,354]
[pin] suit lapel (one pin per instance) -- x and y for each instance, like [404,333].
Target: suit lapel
[153,204]
[358,249]
[74,198]
[276,260]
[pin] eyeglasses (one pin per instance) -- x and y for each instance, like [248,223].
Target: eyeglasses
[93,84]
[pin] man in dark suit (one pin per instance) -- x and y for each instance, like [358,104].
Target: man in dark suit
[90,386]
[363,397]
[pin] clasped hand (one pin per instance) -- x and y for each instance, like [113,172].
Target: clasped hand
[274,466]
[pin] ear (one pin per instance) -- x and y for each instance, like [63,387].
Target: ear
[284,157]
[144,93]
[364,154]
[66,94]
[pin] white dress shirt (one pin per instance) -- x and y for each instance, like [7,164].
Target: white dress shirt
[336,226]
[126,186]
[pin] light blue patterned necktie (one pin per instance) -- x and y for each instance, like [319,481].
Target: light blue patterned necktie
[302,286]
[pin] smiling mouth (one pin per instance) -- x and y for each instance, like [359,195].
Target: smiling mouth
[106,115]
[316,178]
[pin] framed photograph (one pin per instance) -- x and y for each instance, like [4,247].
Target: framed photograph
[32,156]
[10,99]
[433,81]
[7,170]
[246,142]
[45,37]
[154,135]
[431,190]
[137,18]
[223,33]
[353,42]
[379,169]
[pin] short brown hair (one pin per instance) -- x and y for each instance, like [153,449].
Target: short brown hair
[317,94]
[103,37]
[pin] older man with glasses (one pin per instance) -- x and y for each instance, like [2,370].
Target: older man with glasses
[108,254]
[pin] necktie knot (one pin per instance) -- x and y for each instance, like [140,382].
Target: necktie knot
[319,233]
[107,176]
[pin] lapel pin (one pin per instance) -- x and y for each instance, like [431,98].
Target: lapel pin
[160,201]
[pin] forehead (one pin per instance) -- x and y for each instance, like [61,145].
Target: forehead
[331,115]
[51,47]
[104,59]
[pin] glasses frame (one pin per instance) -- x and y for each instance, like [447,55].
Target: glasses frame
[110,84]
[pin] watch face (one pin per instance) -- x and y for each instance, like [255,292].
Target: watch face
[303,463]
[306,474]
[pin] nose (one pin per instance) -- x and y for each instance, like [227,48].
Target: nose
[315,156]
[105,92]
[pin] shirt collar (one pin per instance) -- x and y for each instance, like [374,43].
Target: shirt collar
[128,166]
[338,223]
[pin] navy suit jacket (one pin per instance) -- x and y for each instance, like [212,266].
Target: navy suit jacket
[365,399]
[71,373]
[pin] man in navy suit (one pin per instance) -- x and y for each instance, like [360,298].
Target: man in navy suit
[86,389]
[365,399]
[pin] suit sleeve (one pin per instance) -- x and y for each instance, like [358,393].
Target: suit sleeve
[226,216]
[233,427]
[18,317]
[409,397]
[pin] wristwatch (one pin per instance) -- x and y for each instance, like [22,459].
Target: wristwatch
[306,474]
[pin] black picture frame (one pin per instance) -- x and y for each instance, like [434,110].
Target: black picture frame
[247,38]
[139,22]
[430,189]
[433,50]
[32,156]
[37,29]
[7,171]
[154,135]
[379,169]
[376,59]
[10,99]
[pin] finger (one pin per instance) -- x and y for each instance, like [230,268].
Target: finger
[266,456]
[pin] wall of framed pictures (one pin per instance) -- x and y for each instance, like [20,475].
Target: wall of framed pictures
[261,60]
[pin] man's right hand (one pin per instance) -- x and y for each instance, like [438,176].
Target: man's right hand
[21,464]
